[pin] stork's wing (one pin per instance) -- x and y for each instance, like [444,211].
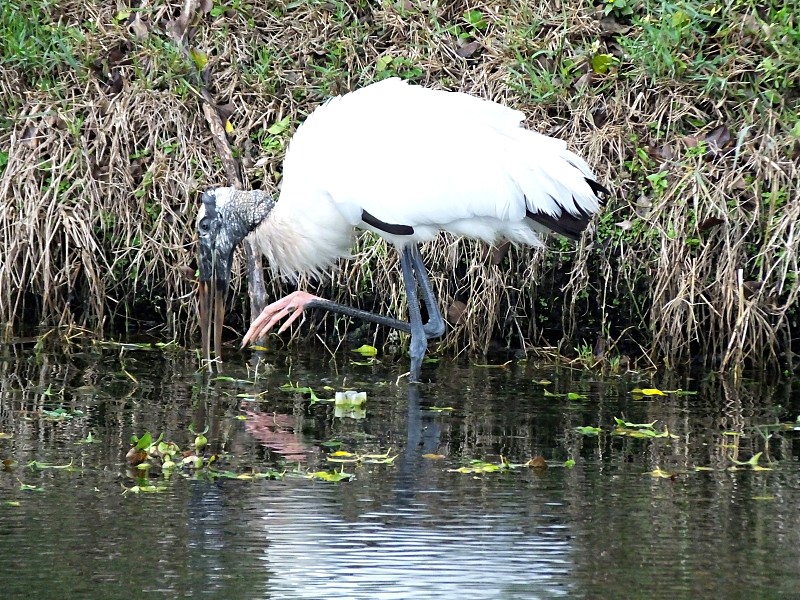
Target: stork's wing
[428,160]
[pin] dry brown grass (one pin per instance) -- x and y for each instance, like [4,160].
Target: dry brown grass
[98,197]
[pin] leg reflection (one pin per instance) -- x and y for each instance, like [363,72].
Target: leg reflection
[423,436]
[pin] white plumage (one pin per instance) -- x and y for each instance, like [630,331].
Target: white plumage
[407,162]
[429,159]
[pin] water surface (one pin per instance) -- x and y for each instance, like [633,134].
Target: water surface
[607,527]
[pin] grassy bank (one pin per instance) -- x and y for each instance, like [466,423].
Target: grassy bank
[688,111]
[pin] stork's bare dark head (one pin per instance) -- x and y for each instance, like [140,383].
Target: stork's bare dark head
[215,245]
[225,217]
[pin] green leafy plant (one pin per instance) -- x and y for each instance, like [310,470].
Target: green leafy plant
[32,42]
[620,8]
[396,66]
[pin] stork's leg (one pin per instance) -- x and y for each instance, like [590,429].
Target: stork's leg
[419,339]
[435,326]
[290,308]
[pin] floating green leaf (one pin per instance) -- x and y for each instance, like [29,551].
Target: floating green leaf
[640,430]
[588,430]
[232,380]
[35,465]
[140,443]
[171,459]
[341,456]
[253,397]
[366,350]
[647,392]
[659,473]
[89,439]
[247,476]
[623,423]
[167,448]
[486,366]
[330,476]
[61,414]
[30,488]
[385,458]
[478,466]
[145,489]
[365,363]
[192,461]
[753,462]
[288,387]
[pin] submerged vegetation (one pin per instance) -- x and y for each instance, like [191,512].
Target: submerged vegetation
[688,111]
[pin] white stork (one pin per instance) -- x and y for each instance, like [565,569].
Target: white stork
[405,162]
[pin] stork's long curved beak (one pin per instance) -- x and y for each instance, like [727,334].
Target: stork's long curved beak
[214,267]
[203,308]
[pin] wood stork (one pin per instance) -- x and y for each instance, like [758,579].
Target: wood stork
[405,162]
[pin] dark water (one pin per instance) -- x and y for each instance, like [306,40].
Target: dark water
[605,528]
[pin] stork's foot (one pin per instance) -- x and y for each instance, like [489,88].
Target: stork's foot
[290,306]
[416,352]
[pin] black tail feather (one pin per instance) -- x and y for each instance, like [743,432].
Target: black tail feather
[597,188]
[568,224]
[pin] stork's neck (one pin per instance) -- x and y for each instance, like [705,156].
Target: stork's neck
[260,205]
[304,234]
[248,210]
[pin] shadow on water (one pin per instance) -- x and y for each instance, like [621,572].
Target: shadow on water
[675,516]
